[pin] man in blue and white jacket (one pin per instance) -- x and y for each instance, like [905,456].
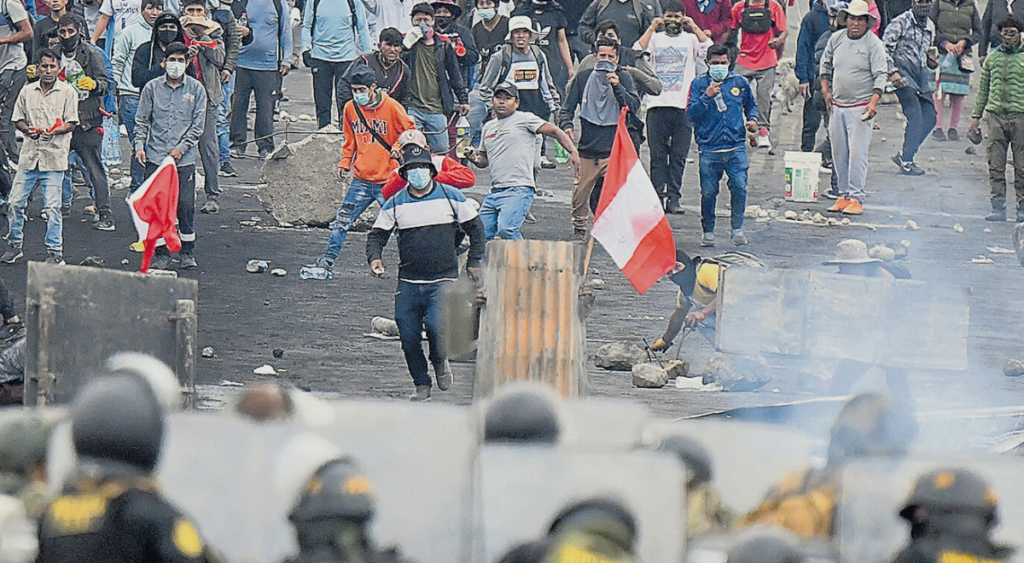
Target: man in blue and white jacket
[721,106]
[427,216]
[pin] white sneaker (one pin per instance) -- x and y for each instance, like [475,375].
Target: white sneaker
[763,142]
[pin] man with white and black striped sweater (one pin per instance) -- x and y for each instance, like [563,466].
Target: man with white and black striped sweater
[429,218]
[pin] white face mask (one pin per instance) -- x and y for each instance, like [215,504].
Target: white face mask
[175,69]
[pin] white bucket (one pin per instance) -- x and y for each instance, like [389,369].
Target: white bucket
[802,175]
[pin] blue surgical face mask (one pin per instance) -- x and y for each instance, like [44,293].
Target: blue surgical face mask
[361,98]
[486,13]
[718,72]
[418,178]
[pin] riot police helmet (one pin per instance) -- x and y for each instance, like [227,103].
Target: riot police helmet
[117,417]
[523,413]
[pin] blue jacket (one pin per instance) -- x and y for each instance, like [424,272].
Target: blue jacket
[716,130]
[334,39]
[272,36]
[814,25]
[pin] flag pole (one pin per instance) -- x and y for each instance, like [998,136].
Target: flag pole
[586,259]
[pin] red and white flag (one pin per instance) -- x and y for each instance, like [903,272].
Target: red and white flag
[630,222]
[154,209]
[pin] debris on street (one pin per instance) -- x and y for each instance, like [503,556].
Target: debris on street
[265,369]
[649,376]
[208,352]
[619,356]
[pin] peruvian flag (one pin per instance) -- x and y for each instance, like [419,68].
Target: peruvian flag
[630,222]
[154,209]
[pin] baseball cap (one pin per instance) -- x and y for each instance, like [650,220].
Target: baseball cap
[412,137]
[508,88]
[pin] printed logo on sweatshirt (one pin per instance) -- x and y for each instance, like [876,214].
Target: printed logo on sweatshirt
[379,125]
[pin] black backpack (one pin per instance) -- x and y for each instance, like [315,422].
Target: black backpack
[756,20]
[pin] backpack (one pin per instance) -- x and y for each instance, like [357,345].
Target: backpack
[756,20]
[506,60]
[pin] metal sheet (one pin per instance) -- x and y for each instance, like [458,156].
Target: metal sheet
[896,323]
[873,491]
[418,458]
[737,447]
[519,490]
[77,317]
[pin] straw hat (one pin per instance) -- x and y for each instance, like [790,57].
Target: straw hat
[852,251]
[856,8]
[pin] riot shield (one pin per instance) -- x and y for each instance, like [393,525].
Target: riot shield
[748,459]
[418,459]
[602,423]
[518,490]
[872,492]
[77,317]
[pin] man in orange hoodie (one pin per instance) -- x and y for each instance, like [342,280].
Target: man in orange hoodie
[372,122]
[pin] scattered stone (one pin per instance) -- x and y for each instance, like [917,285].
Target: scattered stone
[545,193]
[819,219]
[773,214]
[958,228]
[247,223]
[736,373]
[256,266]
[982,259]
[246,195]
[912,225]
[649,376]
[752,211]
[305,118]
[677,368]
[762,214]
[1013,368]
[999,250]
[265,369]
[833,222]
[384,325]
[971,151]
[619,356]
[845,221]
[124,262]
[791,214]
[93,262]
[882,252]
[932,159]
[279,272]
[806,216]
[229,383]
[278,353]
[597,283]
[115,171]
[986,230]
[207,352]
[296,188]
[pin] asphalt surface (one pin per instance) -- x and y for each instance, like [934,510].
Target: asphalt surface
[321,324]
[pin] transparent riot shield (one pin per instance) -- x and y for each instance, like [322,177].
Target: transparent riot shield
[602,423]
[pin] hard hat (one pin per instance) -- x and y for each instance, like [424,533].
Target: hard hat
[23,440]
[338,490]
[952,490]
[522,413]
[692,454]
[117,417]
[869,424]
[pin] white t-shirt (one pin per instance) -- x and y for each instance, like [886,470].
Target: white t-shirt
[122,13]
[674,60]
[12,55]
[504,140]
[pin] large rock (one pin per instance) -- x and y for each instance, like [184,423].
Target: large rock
[736,373]
[619,356]
[649,376]
[677,368]
[299,186]
[1013,368]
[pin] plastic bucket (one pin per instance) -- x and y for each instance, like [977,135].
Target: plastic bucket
[802,175]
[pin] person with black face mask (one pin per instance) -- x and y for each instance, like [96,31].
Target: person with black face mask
[146,63]
[460,36]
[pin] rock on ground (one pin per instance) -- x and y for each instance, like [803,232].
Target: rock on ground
[736,373]
[1018,242]
[298,186]
[619,356]
[678,368]
[384,325]
[649,376]
[1013,368]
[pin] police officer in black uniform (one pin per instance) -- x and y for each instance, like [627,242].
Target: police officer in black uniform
[333,515]
[952,513]
[111,509]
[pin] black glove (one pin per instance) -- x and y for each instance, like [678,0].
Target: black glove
[307,59]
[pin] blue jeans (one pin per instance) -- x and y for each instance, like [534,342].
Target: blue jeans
[74,161]
[418,306]
[222,121]
[503,212]
[477,116]
[920,112]
[358,197]
[712,165]
[50,184]
[434,126]
[127,106]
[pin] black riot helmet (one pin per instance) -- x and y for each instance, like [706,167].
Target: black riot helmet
[522,414]
[766,545]
[604,517]
[23,440]
[338,490]
[117,418]
[870,425]
[952,491]
[691,454]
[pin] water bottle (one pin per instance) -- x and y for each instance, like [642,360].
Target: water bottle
[72,72]
[561,156]
[720,103]
[462,137]
[315,273]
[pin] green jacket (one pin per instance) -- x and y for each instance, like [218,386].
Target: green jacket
[1002,83]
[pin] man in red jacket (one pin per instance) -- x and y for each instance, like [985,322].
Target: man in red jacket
[449,171]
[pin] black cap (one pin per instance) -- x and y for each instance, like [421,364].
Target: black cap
[362,75]
[508,88]
[415,154]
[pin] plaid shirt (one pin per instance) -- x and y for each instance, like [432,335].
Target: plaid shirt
[906,42]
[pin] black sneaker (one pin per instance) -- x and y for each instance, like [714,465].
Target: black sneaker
[227,171]
[11,256]
[672,206]
[160,262]
[105,223]
[952,135]
[65,211]
[831,194]
[997,216]
[911,169]
[55,259]
[938,135]
[237,151]
[898,159]
[210,207]
[264,153]
[187,261]
[323,263]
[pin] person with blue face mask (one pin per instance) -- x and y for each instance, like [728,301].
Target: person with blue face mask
[372,122]
[430,219]
[722,110]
